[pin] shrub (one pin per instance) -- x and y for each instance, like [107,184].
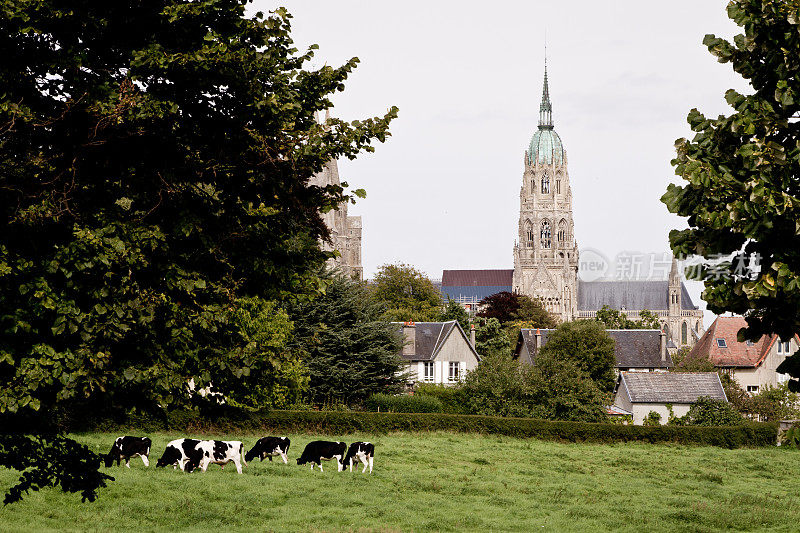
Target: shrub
[453,398]
[652,419]
[710,412]
[404,403]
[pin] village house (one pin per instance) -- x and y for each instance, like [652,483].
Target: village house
[635,350]
[437,352]
[752,364]
[639,393]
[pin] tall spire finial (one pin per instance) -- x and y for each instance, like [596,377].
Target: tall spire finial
[546,108]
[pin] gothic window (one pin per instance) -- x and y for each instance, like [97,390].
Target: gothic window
[545,234]
[545,183]
[562,231]
[684,336]
[530,233]
[558,186]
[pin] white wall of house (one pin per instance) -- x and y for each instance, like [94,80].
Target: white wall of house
[456,349]
[756,379]
[641,410]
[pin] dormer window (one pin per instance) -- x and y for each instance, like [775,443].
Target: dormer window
[721,343]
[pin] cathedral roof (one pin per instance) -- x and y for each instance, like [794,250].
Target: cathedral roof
[475,284]
[546,147]
[630,295]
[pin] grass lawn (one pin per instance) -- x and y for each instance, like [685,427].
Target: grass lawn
[440,482]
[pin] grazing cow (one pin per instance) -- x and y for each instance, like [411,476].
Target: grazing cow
[323,450]
[128,447]
[270,447]
[177,453]
[360,451]
[216,451]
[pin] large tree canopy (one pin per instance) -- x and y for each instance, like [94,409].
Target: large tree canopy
[154,167]
[742,196]
[408,294]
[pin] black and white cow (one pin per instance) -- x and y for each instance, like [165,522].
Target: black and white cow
[128,447]
[216,451]
[323,450]
[360,451]
[269,447]
[177,452]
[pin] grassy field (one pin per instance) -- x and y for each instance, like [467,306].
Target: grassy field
[441,482]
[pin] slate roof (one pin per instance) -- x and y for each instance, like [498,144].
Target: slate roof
[670,387]
[736,354]
[632,295]
[633,348]
[477,278]
[639,348]
[430,337]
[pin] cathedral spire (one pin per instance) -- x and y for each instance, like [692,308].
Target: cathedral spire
[546,108]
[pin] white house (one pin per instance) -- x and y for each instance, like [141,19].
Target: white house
[437,352]
[639,393]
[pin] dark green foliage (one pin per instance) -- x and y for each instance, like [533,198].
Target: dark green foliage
[452,398]
[508,307]
[585,343]
[652,419]
[455,311]
[614,319]
[491,339]
[154,168]
[711,412]
[741,194]
[775,403]
[344,422]
[350,350]
[50,461]
[553,389]
[407,293]
[403,403]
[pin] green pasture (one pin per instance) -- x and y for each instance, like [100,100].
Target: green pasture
[440,482]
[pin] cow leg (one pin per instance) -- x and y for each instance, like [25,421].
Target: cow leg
[204,464]
[144,460]
[238,466]
[320,467]
[270,458]
[285,458]
[370,464]
[128,462]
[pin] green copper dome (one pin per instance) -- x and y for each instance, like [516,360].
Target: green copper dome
[546,147]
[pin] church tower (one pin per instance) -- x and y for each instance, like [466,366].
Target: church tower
[546,254]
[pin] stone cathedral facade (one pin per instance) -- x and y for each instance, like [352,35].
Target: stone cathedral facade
[545,253]
[345,229]
[546,258]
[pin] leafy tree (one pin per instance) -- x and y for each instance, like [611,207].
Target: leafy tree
[685,362]
[154,168]
[742,173]
[497,387]
[588,346]
[455,311]
[532,313]
[490,339]
[710,412]
[775,403]
[614,319]
[407,293]
[351,350]
[502,306]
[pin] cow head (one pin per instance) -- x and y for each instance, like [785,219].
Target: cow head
[170,457]
[113,454]
[254,452]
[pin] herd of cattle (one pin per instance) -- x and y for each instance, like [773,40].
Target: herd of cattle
[188,454]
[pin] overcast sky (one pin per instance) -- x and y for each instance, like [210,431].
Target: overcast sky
[443,191]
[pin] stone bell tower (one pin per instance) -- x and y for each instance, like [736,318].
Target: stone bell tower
[546,254]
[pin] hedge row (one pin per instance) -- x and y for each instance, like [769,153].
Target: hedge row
[750,434]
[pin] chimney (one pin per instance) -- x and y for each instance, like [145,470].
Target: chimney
[472,334]
[409,338]
[662,337]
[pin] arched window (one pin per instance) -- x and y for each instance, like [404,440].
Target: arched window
[545,234]
[545,183]
[562,231]
[558,186]
[684,336]
[530,233]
